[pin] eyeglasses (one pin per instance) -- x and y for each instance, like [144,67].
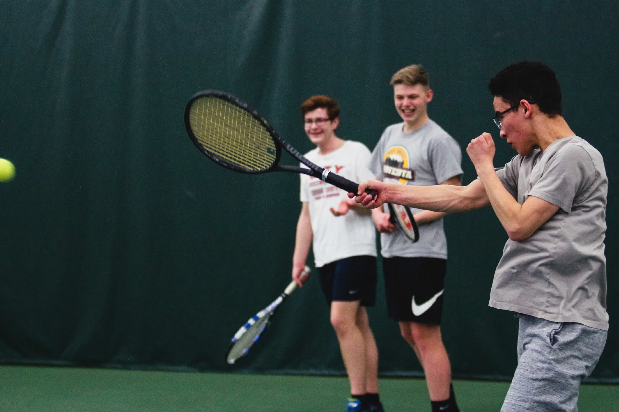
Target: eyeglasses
[498,119]
[317,122]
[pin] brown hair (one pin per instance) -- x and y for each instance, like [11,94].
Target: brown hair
[411,75]
[321,101]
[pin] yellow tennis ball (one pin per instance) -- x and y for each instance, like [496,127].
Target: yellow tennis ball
[7,170]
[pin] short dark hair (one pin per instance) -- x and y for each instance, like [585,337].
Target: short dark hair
[411,76]
[321,101]
[532,81]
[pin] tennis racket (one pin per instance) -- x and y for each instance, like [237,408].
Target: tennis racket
[403,218]
[251,331]
[237,137]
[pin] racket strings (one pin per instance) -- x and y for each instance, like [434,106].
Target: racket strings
[246,337]
[232,134]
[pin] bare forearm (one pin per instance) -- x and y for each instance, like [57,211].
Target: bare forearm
[439,198]
[504,205]
[303,240]
[428,216]
[519,221]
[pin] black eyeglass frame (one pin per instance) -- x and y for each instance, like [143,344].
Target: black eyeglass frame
[497,119]
[318,121]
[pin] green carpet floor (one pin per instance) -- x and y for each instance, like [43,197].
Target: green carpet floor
[49,389]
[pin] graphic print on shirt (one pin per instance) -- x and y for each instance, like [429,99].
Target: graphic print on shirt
[321,190]
[396,165]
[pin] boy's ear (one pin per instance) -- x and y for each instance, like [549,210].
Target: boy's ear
[429,95]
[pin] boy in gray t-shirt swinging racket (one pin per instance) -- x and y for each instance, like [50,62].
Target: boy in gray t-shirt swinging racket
[551,200]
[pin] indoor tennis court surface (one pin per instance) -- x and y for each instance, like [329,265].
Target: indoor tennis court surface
[56,389]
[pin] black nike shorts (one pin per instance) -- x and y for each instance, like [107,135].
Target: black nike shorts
[414,289]
[349,280]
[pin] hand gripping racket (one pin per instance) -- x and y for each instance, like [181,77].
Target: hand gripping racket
[403,218]
[249,333]
[237,137]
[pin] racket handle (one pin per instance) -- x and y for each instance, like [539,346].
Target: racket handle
[293,285]
[345,184]
[290,288]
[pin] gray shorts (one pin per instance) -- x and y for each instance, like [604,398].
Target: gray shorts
[553,359]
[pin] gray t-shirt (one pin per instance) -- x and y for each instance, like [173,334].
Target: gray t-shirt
[559,273]
[425,157]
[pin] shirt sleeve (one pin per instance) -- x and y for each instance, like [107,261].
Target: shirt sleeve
[362,165]
[376,159]
[565,175]
[446,158]
[304,195]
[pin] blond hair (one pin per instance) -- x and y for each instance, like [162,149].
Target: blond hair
[410,76]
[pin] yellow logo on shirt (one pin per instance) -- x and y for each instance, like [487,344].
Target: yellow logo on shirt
[395,165]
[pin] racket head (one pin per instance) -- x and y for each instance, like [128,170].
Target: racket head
[403,218]
[245,337]
[249,333]
[231,133]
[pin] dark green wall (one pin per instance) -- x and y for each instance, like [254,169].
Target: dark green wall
[123,246]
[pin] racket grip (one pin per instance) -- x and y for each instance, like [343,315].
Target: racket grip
[291,287]
[345,184]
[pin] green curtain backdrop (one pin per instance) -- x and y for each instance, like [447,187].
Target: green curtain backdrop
[123,246]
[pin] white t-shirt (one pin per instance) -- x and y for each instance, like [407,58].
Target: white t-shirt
[338,237]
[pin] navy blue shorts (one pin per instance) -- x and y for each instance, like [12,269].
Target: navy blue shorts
[414,289]
[350,279]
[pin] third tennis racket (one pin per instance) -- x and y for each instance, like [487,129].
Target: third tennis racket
[251,331]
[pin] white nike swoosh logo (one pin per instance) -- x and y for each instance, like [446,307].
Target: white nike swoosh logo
[419,310]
